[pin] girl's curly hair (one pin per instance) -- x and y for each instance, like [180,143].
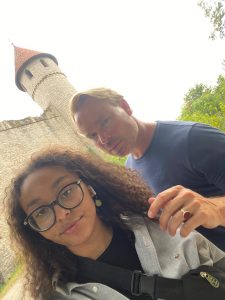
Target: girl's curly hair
[120,190]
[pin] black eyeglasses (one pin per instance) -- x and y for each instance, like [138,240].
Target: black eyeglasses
[44,217]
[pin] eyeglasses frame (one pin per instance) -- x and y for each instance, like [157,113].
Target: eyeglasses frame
[52,204]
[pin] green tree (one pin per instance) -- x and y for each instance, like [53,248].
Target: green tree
[214,10]
[206,104]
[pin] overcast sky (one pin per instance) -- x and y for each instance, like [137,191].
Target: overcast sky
[151,51]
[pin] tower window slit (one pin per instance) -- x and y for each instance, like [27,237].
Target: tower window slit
[28,73]
[44,63]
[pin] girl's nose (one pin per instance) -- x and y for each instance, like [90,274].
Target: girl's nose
[61,213]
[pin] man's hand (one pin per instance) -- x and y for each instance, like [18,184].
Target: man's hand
[177,203]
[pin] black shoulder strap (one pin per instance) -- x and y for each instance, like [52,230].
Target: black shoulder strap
[135,282]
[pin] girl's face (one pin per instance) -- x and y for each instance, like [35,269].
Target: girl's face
[76,228]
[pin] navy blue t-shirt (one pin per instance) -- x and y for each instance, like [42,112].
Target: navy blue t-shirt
[188,154]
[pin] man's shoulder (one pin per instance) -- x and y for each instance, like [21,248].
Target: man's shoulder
[173,128]
[176,123]
[184,124]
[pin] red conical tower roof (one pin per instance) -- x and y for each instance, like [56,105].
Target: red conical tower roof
[25,56]
[22,55]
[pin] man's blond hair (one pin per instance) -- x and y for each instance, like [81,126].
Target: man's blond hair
[101,94]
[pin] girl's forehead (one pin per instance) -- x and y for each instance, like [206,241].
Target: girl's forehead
[47,171]
[48,174]
[44,183]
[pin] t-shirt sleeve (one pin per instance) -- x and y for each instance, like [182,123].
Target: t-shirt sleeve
[207,153]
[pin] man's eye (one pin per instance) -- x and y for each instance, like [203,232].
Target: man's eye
[93,136]
[105,122]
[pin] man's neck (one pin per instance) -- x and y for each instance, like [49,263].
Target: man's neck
[145,135]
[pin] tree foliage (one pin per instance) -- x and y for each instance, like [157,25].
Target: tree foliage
[115,159]
[214,10]
[206,104]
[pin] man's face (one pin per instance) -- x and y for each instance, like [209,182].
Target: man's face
[112,128]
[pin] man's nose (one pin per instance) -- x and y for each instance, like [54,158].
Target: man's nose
[60,212]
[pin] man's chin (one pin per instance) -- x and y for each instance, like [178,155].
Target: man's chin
[121,152]
[122,155]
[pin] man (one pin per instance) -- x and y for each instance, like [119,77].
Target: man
[183,162]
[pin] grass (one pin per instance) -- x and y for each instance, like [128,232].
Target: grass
[12,279]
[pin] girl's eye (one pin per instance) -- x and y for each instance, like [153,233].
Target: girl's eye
[66,193]
[41,212]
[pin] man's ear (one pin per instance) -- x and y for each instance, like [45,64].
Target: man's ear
[126,107]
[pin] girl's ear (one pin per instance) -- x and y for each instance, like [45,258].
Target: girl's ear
[91,190]
[126,107]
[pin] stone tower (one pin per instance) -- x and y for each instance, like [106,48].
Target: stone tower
[38,74]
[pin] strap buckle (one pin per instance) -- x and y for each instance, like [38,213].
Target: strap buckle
[143,284]
[135,283]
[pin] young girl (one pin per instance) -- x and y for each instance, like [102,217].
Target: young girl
[65,207]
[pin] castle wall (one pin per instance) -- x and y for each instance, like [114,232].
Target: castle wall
[19,139]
